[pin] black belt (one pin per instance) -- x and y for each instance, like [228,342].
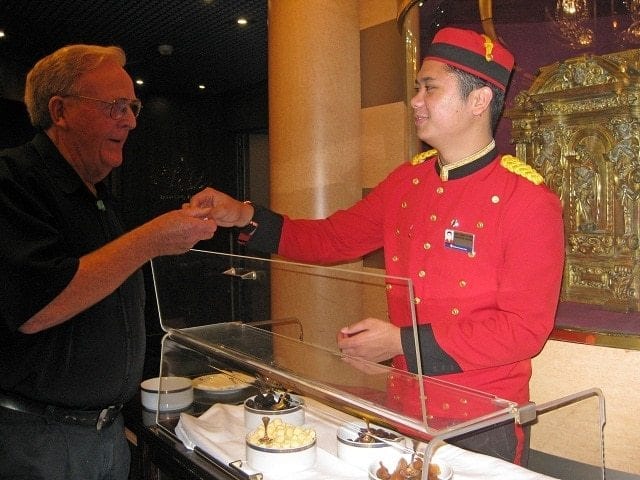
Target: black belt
[98,419]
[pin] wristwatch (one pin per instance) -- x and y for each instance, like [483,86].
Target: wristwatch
[246,232]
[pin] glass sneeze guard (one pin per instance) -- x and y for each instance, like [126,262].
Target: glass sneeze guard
[275,322]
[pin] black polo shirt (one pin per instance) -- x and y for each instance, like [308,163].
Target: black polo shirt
[48,220]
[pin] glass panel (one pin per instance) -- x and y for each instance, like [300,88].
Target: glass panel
[229,362]
[568,437]
[202,340]
[367,390]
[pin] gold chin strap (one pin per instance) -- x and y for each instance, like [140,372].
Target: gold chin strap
[445,169]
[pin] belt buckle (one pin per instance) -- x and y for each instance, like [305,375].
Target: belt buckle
[106,416]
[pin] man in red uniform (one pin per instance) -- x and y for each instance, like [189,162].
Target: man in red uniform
[478,233]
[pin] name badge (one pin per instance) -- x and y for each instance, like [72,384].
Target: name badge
[459,240]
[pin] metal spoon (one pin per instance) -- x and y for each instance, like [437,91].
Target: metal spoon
[265,439]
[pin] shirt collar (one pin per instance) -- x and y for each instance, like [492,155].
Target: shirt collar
[58,167]
[467,165]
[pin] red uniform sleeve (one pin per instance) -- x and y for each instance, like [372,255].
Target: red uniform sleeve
[345,235]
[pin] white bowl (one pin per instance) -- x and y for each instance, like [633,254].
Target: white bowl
[361,454]
[293,416]
[446,473]
[279,457]
[166,393]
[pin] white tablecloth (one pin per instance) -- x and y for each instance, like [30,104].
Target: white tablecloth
[220,433]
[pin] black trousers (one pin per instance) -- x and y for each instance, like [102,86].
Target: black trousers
[34,448]
[499,441]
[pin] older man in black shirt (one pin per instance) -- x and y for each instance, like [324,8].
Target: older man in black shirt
[71,296]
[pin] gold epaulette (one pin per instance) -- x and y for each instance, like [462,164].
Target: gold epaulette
[423,156]
[517,166]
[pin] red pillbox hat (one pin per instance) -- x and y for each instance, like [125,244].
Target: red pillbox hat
[474,53]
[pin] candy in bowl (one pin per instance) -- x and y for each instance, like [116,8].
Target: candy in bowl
[279,447]
[274,405]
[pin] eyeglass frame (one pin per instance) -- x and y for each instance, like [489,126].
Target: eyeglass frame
[134,105]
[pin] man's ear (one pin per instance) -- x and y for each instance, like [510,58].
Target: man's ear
[57,110]
[481,99]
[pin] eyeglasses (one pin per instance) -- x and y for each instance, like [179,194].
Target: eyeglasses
[119,106]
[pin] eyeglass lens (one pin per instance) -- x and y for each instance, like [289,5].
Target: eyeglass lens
[119,108]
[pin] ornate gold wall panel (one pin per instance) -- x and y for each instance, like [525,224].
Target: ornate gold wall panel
[578,125]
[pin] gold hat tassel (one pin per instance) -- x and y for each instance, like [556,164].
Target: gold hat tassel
[486,18]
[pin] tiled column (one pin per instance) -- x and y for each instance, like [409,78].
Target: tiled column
[314,136]
[336,128]
[314,105]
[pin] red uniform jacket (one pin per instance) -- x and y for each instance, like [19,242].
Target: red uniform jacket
[490,301]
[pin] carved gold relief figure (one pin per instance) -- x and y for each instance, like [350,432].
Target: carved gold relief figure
[585,186]
[624,157]
[587,172]
[548,161]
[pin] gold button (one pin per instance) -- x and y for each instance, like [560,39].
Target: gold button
[440,190]
[421,273]
[388,286]
[415,181]
[471,254]
[480,224]
[397,232]
[403,204]
[394,258]
[463,401]
[445,406]
[417,300]
[455,311]
[495,199]
[462,283]
[433,217]
[426,246]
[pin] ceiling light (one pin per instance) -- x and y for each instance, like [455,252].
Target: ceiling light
[201,87]
[139,81]
[242,21]
[1,33]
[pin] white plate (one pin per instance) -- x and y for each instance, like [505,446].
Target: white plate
[232,381]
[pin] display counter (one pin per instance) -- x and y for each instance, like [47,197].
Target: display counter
[155,454]
[271,355]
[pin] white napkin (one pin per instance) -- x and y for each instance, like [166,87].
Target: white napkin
[473,466]
[220,433]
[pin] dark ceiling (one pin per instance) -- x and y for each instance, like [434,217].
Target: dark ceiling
[209,47]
